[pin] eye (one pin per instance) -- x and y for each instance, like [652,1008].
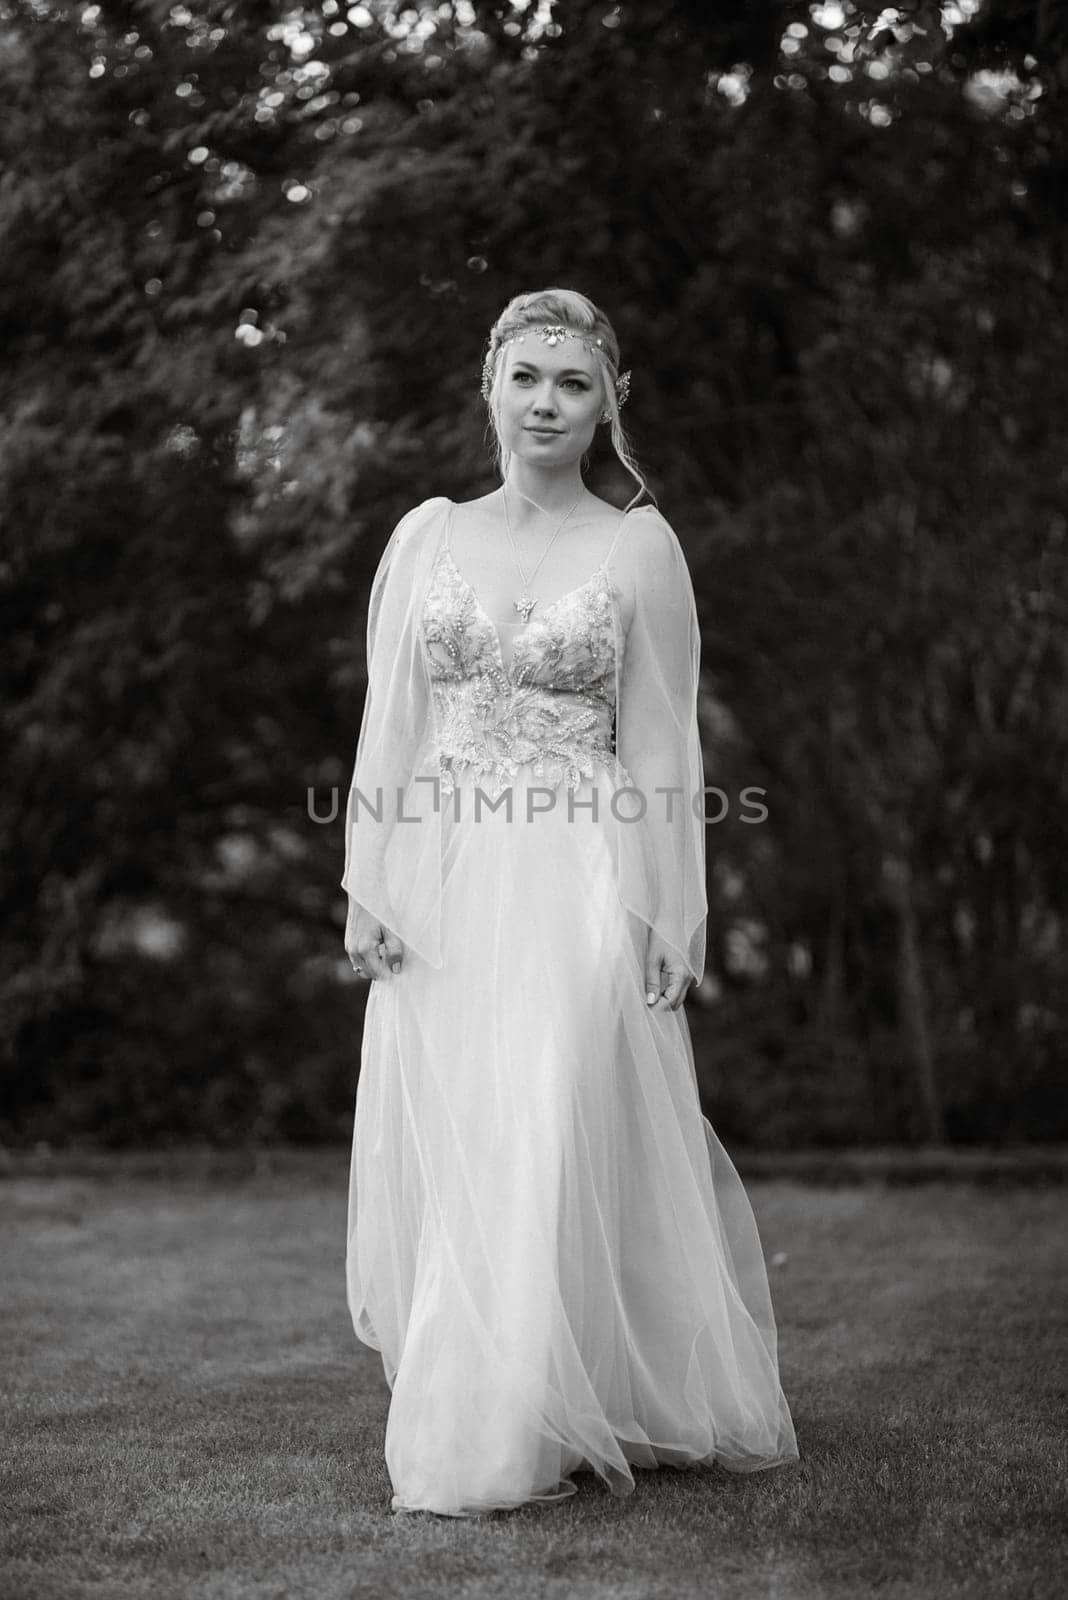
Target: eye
[577,383]
[521,377]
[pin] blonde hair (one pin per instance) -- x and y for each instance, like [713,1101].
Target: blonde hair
[572,310]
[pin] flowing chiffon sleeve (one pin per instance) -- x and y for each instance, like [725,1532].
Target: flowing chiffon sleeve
[393,821]
[658,742]
[393,812]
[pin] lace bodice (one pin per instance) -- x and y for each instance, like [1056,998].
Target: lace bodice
[552,706]
[583,700]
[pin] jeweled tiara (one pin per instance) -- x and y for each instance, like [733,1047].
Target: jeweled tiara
[552,333]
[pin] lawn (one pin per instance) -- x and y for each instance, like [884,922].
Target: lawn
[187,1412]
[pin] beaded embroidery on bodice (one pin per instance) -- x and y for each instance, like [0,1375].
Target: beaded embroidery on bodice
[552,706]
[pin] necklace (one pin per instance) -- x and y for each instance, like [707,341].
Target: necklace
[525,605]
[533,503]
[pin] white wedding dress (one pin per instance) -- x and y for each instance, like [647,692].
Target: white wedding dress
[547,1243]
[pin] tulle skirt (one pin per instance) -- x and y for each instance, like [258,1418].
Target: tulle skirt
[546,1241]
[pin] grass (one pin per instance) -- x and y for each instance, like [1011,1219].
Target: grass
[187,1412]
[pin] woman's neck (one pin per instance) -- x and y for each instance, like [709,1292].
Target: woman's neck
[553,490]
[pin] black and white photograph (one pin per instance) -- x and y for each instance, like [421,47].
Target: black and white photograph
[534,842]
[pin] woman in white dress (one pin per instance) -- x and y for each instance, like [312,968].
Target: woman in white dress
[547,1243]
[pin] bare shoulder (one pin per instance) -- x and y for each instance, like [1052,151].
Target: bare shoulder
[482,508]
[597,510]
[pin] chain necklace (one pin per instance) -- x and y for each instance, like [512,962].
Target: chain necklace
[525,605]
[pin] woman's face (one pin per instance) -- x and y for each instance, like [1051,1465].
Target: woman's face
[551,397]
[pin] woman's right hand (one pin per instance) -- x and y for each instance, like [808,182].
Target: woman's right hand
[374,951]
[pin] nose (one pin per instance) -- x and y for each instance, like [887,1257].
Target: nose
[544,404]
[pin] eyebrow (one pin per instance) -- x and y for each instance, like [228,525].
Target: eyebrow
[567,372]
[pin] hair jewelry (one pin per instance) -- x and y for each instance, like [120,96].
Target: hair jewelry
[552,334]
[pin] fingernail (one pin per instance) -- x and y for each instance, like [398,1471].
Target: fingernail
[396,966]
[650,998]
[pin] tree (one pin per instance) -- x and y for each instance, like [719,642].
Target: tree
[255,250]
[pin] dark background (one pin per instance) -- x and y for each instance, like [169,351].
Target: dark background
[250,256]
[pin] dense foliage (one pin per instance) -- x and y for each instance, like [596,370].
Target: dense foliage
[251,253]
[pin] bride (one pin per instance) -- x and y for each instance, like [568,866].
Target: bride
[546,1241]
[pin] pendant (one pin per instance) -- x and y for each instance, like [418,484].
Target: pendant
[525,606]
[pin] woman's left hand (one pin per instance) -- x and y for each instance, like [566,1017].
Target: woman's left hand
[667,977]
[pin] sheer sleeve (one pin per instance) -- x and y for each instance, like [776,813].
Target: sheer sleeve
[392,816]
[658,742]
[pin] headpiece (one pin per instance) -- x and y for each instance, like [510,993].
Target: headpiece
[552,334]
